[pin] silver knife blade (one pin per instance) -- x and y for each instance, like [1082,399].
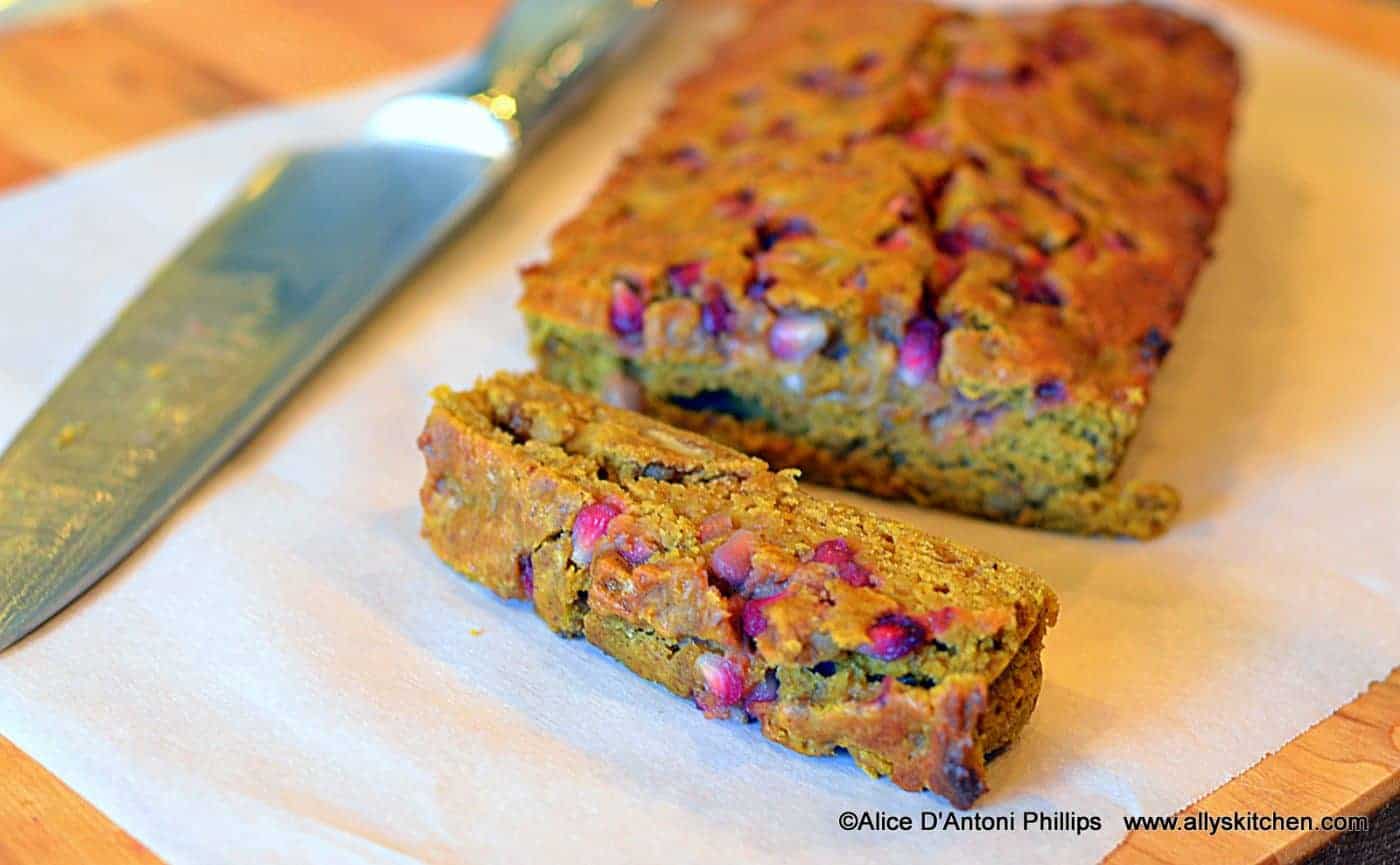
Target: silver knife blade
[229,327]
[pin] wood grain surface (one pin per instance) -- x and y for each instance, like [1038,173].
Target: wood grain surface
[42,821]
[76,88]
[1347,765]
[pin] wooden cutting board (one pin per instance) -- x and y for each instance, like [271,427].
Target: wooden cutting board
[76,88]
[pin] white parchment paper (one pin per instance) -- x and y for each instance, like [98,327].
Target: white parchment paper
[284,673]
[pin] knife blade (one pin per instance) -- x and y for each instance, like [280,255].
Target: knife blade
[225,330]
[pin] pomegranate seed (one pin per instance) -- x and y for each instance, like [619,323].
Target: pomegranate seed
[627,309]
[1065,45]
[1051,390]
[1121,241]
[893,636]
[985,417]
[1036,289]
[716,317]
[943,274]
[770,232]
[732,560]
[1154,346]
[715,525]
[855,574]
[838,554]
[796,336]
[688,157]
[766,691]
[903,206]
[894,240]
[865,62]
[1008,220]
[784,128]
[589,526]
[738,204]
[927,138]
[1039,178]
[920,350]
[755,622]
[939,621]
[1195,188]
[953,242]
[734,134]
[683,277]
[850,88]
[754,619]
[634,549]
[819,78]
[759,285]
[833,552]
[1030,258]
[982,76]
[722,679]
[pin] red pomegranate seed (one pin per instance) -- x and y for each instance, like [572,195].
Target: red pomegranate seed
[865,62]
[634,549]
[925,138]
[688,157]
[738,204]
[722,679]
[940,620]
[817,78]
[683,277]
[716,316]
[715,525]
[769,232]
[920,350]
[731,561]
[755,620]
[766,691]
[1121,241]
[855,574]
[953,242]
[903,206]
[895,240]
[833,552]
[838,554]
[1039,178]
[589,526]
[1033,288]
[627,309]
[893,636]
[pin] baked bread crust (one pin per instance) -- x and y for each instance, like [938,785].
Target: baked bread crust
[702,570]
[919,252]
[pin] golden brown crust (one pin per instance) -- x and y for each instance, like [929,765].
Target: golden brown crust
[883,734]
[948,223]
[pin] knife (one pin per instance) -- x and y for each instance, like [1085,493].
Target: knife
[222,333]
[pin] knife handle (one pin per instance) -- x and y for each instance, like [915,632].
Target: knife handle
[543,53]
